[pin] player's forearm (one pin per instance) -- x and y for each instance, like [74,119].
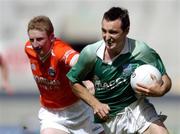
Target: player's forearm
[84,94]
[90,86]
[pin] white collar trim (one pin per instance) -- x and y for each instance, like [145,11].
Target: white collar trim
[101,50]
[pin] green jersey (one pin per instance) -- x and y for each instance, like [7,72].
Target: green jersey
[112,80]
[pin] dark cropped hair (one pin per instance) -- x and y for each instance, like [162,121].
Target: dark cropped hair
[42,23]
[118,13]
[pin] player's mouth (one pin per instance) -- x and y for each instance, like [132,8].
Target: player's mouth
[37,49]
[109,42]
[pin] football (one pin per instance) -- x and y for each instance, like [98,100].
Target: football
[142,75]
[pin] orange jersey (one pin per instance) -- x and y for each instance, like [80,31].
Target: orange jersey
[50,76]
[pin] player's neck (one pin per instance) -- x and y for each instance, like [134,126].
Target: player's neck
[45,57]
[111,54]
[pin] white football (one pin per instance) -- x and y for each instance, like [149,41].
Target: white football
[142,75]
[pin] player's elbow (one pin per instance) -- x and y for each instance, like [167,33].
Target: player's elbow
[75,88]
[166,86]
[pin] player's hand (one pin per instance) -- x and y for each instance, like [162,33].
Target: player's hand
[150,90]
[102,110]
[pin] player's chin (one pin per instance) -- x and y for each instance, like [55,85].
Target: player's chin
[110,46]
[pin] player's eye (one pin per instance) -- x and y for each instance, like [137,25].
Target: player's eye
[103,30]
[31,40]
[39,39]
[36,39]
[113,32]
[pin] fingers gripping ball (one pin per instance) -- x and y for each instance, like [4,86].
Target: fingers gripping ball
[143,75]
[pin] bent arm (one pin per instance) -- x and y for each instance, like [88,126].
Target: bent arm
[99,108]
[157,89]
[166,86]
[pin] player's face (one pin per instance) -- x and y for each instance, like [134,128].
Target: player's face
[40,41]
[112,34]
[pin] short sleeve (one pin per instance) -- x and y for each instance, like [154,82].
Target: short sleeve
[83,66]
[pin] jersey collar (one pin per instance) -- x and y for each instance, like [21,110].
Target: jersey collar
[101,50]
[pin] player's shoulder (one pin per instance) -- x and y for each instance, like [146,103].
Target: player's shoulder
[60,46]
[138,46]
[88,55]
[92,48]
[89,52]
[137,43]
[29,49]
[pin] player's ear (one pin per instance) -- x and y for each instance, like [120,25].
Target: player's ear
[52,37]
[126,30]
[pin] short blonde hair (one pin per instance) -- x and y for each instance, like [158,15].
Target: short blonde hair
[42,23]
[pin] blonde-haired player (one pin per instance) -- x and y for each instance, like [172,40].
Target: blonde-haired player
[50,59]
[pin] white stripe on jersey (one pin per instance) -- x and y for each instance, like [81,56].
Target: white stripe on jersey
[74,60]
